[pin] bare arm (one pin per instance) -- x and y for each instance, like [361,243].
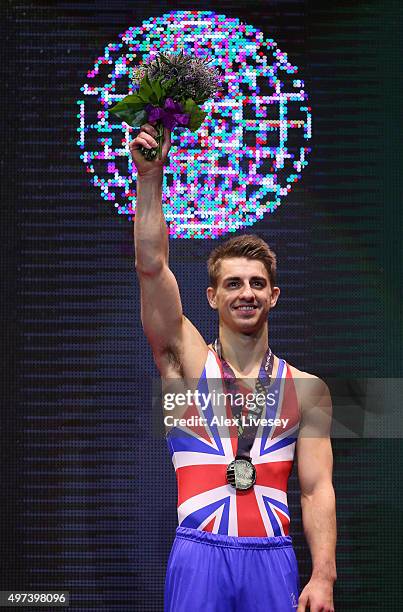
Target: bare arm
[315,466]
[150,228]
[162,317]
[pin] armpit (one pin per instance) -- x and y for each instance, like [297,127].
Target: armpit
[173,357]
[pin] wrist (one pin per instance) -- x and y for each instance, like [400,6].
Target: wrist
[152,176]
[324,576]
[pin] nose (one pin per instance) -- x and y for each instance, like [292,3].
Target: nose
[246,292]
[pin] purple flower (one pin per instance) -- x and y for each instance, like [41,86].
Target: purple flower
[170,115]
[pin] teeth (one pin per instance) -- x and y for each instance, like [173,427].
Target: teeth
[246,307]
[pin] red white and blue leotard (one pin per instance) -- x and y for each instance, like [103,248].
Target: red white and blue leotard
[201,454]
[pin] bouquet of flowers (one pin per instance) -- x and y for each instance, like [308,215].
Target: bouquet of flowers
[170,88]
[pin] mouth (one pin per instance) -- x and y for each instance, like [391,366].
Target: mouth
[245,308]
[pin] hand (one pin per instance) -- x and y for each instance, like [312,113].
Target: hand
[146,138]
[317,596]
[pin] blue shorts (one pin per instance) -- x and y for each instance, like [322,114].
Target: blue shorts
[210,572]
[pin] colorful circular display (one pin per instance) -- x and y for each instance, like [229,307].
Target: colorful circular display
[246,156]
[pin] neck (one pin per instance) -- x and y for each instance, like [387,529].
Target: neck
[244,352]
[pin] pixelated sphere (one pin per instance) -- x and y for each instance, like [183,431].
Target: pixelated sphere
[246,156]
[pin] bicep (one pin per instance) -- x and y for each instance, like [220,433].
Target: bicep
[161,308]
[314,449]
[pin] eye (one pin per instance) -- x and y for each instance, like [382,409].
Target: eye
[232,283]
[258,283]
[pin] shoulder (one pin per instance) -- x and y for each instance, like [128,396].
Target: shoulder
[311,390]
[315,407]
[306,376]
[300,373]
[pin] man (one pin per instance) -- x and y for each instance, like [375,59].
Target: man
[233,552]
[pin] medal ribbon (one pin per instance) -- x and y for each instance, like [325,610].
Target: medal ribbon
[246,435]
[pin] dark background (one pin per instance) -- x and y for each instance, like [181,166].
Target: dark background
[88,499]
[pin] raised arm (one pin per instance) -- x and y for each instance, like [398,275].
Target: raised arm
[164,324]
[315,466]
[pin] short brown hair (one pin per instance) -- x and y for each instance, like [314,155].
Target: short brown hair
[249,246]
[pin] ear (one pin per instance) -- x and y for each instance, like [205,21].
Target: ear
[211,297]
[275,293]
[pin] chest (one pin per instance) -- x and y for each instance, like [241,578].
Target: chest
[249,377]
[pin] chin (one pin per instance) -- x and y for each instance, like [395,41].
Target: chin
[251,325]
[246,327]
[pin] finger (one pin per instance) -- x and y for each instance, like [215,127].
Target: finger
[142,138]
[302,602]
[148,138]
[139,142]
[167,134]
[316,607]
[167,142]
[150,129]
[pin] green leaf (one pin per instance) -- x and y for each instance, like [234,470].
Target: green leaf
[159,91]
[145,91]
[132,101]
[166,87]
[196,121]
[189,105]
[156,85]
[133,114]
[197,116]
[139,118]
[152,92]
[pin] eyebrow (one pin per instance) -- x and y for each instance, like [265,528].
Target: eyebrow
[236,278]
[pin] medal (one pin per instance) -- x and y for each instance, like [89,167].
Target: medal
[241,473]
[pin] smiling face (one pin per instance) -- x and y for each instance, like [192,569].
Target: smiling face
[243,296]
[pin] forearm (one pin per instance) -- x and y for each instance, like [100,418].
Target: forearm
[150,228]
[319,521]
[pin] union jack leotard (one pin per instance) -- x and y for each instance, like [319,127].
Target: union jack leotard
[201,454]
